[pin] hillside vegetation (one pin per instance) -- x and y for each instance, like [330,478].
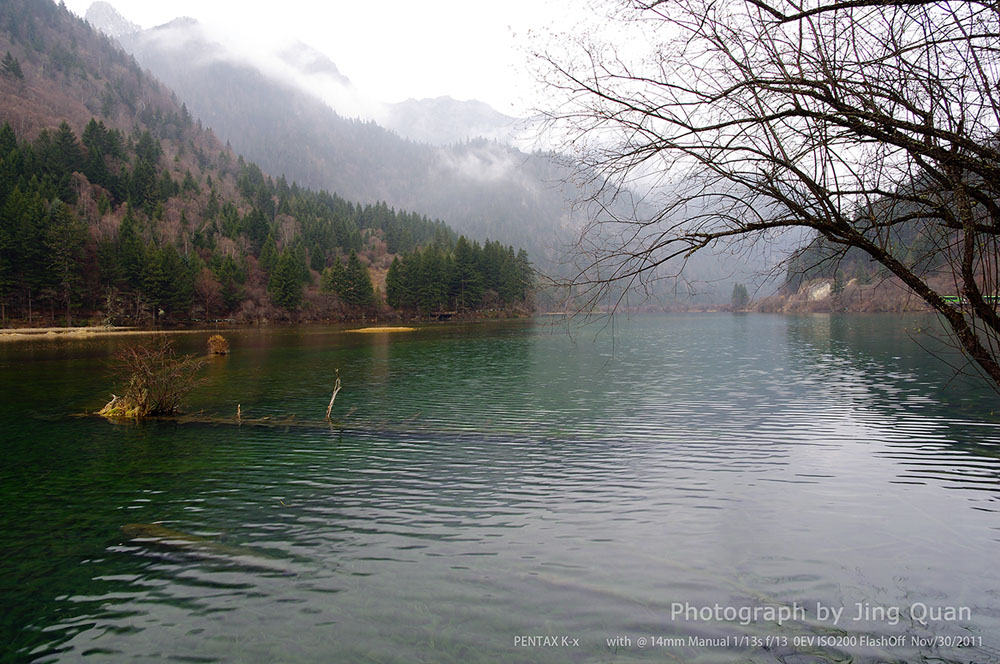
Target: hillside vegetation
[119,207]
[482,187]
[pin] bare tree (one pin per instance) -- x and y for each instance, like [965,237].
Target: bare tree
[868,123]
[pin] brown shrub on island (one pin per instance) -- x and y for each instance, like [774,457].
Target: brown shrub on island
[218,345]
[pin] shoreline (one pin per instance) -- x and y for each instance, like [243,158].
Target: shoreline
[49,333]
[15,334]
[87,332]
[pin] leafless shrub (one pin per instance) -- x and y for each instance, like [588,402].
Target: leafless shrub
[154,379]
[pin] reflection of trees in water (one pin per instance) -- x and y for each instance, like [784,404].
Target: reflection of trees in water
[939,426]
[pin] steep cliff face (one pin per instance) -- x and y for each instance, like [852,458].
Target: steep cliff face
[830,295]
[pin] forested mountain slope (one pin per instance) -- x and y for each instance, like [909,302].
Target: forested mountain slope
[481,187]
[118,206]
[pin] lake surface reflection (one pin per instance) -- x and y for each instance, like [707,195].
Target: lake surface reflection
[707,488]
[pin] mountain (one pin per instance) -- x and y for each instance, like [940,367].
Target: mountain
[483,188]
[117,205]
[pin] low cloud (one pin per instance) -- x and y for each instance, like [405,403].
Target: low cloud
[285,60]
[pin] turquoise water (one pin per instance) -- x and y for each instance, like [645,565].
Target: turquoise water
[493,482]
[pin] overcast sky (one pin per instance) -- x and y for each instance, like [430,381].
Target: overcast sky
[392,49]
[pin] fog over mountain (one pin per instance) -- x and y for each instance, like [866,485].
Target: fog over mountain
[278,109]
[288,107]
[443,121]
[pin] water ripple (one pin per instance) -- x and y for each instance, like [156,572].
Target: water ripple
[510,480]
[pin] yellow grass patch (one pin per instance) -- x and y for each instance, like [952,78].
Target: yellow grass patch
[372,330]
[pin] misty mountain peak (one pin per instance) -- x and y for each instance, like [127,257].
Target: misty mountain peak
[308,60]
[181,35]
[107,19]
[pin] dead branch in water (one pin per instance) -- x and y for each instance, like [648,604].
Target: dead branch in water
[336,388]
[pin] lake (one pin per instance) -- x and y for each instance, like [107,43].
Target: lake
[688,488]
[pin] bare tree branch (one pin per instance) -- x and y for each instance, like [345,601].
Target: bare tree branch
[875,125]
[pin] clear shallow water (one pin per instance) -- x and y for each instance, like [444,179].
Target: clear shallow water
[498,481]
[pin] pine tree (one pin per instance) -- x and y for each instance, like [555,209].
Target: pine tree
[526,275]
[148,148]
[269,254]
[230,275]
[467,283]
[8,141]
[317,261]
[166,187]
[67,149]
[6,268]
[64,242]
[333,279]
[490,265]
[10,168]
[27,219]
[358,290]
[255,227]
[394,284]
[740,297]
[285,285]
[168,280]
[11,67]
[109,265]
[432,282]
[142,184]
[189,184]
[131,250]
[301,264]
[510,281]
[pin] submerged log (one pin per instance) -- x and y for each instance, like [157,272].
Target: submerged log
[160,536]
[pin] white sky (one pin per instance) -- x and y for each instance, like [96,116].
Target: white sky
[393,49]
